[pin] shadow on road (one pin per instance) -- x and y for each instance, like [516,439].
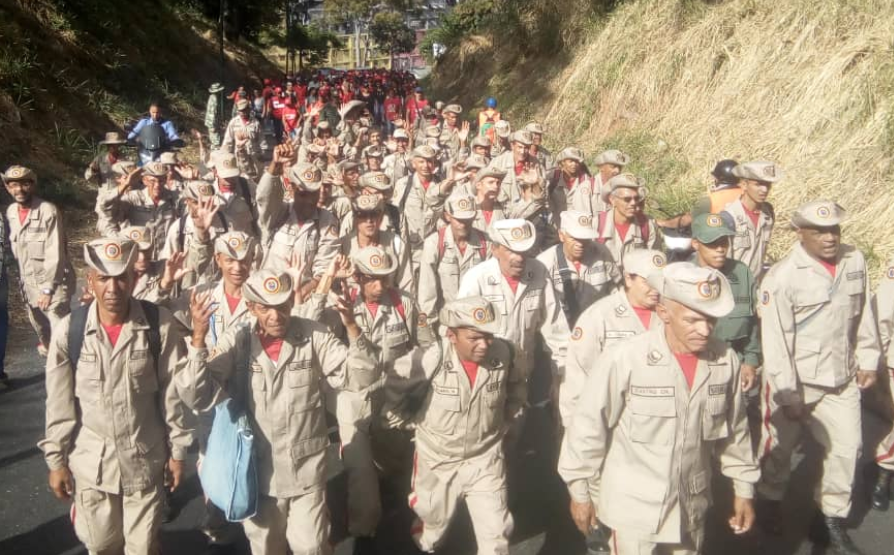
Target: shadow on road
[55,537]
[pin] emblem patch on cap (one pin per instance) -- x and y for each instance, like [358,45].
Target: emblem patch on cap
[714,220]
[769,170]
[229,163]
[586,221]
[308,175]
[519,233]
[272,285]
[136,235]
[480,315]
[659,261]
[205,190]
[379,178]
[375,261]
[112,251]
[464,204]
[577,333]
[16,172]
[708,289]
[234,243]
[823,212]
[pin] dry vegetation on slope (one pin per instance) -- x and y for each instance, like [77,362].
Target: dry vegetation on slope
[680,84]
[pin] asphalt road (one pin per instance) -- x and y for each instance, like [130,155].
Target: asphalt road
[32,522]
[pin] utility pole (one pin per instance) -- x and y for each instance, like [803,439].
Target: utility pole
[220,40]
[288,37]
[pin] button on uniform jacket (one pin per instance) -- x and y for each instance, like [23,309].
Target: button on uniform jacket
[641,447]
[816,329]
[284,399]
[115,420]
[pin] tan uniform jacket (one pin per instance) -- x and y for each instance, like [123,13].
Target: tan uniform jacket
[419,219]
[38,246]
[391,244]
[750,243]
[116,420]
[238,213]
[315,240]
[607,322]
[440,275]
[454,420]
[449,140]
[598,275]
[641,446]
[135,208]
[884,310]
[577,197]
[816,329]
[436,198]
[105,176]
[199,256]
[633,240]
[532,308]
[284,399]
[396,166]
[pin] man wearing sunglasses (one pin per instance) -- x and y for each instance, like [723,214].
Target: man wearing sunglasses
[625,227]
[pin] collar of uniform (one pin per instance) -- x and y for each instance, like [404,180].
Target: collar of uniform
[34,209]
[135,317]
[657,351]
[622,303]
[314,216]
[804,260]
[162,200]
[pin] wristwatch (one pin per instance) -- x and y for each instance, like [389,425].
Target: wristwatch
[46,291]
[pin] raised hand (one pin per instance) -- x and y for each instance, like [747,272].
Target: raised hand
[174,270]
[463,132]
[203,217]
[201,307]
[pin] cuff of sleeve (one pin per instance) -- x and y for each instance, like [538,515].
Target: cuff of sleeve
[178,453]
[867,365]
[579,491]
[752,359]
[193,353]
[743,489]
[890,358]
[55,462]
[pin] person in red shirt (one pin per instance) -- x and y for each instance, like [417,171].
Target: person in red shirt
[277,103]
[415,106]
[290,119]
[393,108]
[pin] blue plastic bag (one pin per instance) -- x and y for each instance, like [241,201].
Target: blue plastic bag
[228,474]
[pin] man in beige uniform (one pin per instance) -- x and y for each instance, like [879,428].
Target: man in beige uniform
[114,421]
[638,454]
[625,227]
[242,138]
[153,206]
[288,358]
[514,162]
[447,255]
[461,394]
[626,312]
[38,242]
[100,172]
[410,197]
[391,321]
[821,347]
[398,164]
[608,165]
[884,453]
[570,184]
[753,215]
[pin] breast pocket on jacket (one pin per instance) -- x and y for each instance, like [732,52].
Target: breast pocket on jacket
[141,367]
[653,414]
[88,378]
[444,409]
[715,424]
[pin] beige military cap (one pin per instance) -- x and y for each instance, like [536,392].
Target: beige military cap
[522,137]
[502,128]
[516,235]
[235,244]
[348,165]
[306,177]
[480,140]
[461,206]
[476,162]
[400,134]
[350,107]
[368,203]
[490,171]
[622,181]
[323,125]
[702,289]
[768,172]
[432,132]
[818,213]
[578,225]
[376,180]
[139,235]
[197,190]
[123,167]
[644,262]
[373,261]
[475,313]
[168,158]
[570,153]
[453,109]
[615,157]
[155,169]
[268,287]
[314,148]
[110,257]
[439,105]
[424,151]
[373,152]
[534,127]
[242,104]
[225,164]
[113,138]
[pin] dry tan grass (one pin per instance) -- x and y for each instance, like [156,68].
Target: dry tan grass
[808,84]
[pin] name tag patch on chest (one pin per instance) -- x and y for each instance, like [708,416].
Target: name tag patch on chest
[440,389]
[495,386]
[640,391]
[302,364]
[854,275]
[394,328]
[718,389]
[619,334]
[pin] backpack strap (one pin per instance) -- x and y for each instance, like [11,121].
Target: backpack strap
[441,248]
[77,323]
[643,222]
[600,226]
[398,303]
[151,312]
[570,306]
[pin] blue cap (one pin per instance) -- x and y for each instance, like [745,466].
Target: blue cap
[491,102]
[418,89]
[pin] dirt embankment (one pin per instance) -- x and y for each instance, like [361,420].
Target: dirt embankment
[680,84]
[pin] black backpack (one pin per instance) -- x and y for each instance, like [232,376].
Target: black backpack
[152,137]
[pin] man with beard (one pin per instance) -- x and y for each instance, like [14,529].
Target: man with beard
[37,240]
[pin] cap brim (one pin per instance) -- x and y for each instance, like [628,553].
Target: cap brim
[227,172]
[378,272]
[110,269]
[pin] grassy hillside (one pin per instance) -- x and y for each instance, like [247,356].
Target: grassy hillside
[72,70]
[680,84]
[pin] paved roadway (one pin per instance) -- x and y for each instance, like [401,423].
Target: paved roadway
[32,522]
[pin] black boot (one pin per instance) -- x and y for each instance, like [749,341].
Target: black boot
[880,499]
[769,516]
[840,542]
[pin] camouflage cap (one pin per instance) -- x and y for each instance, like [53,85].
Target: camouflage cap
[614,157]
[571,153]
[139,235]
[475,313]
[306,177]
[767,172]
[516,235]
[701,289]
[235,244]
[818,213]
[424,151]
[373,261]
[109,256]
[268,287]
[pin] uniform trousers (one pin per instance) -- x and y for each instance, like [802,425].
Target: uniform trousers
[364,498]
[884,453]
[106,522]
[299,524]
[480,481]
[44,321]
[632,543]
[833,418]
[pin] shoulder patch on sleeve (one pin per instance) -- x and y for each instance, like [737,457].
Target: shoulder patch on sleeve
[765,297]
[577,333]
[889,273]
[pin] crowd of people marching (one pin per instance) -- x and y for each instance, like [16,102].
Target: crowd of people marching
[344,249]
